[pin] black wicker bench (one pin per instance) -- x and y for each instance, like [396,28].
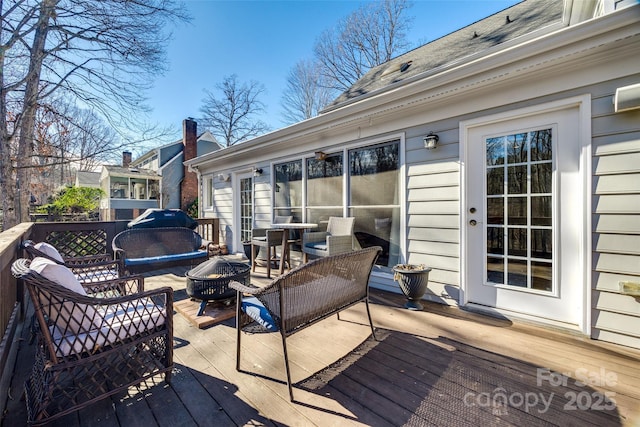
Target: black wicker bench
[147,249]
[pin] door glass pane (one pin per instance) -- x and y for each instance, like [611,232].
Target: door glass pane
[541,243]
[517,241]
[541,210]
[522,164]
[495,270]
[517,273]
[246,208]
[495,151]
[517,179]
[541,144]
[495,181]
[517,210]
[517,148]
[495,240]
[542,276]
[495,211]
[541,178]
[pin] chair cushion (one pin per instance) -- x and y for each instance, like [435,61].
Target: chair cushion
[57,273]
[317,246]
[129,320]
[49,250]
[165,258]
[92,276]
[257,311]
[81,317]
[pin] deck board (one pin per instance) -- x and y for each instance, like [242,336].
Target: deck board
[418,373]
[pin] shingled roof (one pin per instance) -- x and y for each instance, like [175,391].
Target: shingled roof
[508,24]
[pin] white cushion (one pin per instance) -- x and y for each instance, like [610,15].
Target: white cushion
[83,317]
[49,250]
[57,273]
[126,320]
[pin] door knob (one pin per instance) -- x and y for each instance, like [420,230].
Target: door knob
[473,222]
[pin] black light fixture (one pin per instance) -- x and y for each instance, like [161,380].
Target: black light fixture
[257,171]
[431,141]
[320,155]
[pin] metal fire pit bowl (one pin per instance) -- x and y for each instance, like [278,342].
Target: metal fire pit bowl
[210,280]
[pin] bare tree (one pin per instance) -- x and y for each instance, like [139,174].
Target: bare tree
[306,92]
[368,37]
[102,53]
[231,117]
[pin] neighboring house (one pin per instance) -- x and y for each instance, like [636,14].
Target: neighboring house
[529,204]
[87,179]
[157,178]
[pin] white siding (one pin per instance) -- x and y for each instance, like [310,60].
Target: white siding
[262,198]
[433,207]
[616,219]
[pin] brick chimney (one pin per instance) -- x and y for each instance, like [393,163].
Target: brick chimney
[189,186]
[126,159]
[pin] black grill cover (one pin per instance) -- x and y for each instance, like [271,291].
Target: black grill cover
[158,218]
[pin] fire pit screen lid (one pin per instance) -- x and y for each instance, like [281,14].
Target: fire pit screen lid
[219,266]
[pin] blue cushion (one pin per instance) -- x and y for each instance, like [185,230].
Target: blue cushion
[317,246]
[165,258]
[257,311]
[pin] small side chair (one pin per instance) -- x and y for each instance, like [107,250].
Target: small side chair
[268,238]
[336,240]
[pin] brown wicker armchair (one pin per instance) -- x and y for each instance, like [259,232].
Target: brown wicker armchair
[306,295]
[87,269]
[92,344]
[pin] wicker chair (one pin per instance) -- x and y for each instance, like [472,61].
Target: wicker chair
[337,239]
[87,269]
[92,344]
[306,295]
[268,238]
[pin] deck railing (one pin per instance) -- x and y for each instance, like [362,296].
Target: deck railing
[72,239]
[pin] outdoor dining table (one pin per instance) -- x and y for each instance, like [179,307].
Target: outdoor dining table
[285,236]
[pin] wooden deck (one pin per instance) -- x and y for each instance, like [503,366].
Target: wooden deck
[442,367]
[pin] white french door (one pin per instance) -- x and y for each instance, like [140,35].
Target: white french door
[524,219]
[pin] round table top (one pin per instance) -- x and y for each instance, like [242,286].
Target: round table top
[294,225]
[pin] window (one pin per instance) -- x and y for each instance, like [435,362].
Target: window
[208,192]
[324,188]
[119,187]
[288,189]
[374,198]
[371,176]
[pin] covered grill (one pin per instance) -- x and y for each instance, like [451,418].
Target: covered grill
[158,218]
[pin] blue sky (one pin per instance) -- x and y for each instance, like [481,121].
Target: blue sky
[262,41]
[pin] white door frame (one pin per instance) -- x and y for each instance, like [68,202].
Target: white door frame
[235,188]
[583,103]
